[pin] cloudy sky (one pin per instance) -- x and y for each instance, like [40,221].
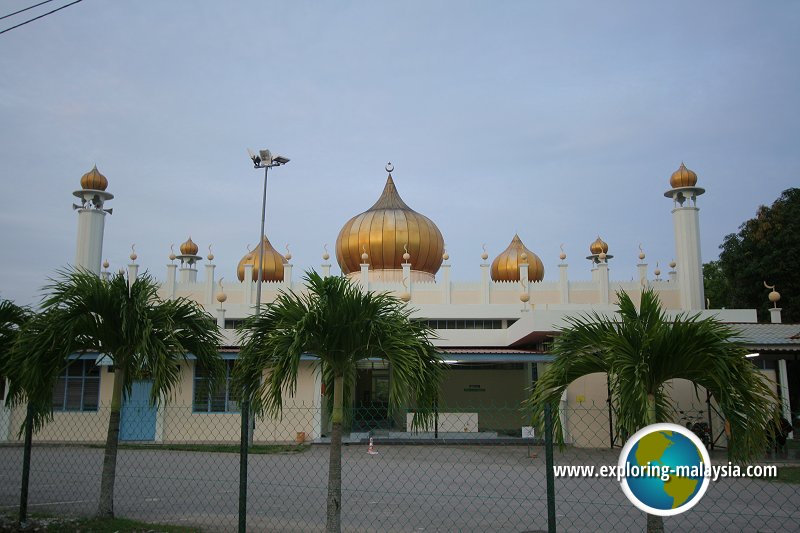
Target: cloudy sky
[556,120]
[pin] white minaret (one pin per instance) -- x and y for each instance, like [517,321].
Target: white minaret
[91,220]
[188,258]
[686,220]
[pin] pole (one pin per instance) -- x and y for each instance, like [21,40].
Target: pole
[610,415]
[26,467]
[244,439]
[548,453]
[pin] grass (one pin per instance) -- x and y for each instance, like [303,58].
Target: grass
[217,448]
[62,524]
[786,474]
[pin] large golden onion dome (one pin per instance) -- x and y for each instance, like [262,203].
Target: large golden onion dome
[598,246]
[383,230]
[271,266]
[683,177]
[94,180]
[189,247]
[505,266]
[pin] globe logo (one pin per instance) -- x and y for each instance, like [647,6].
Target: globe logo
[663,469]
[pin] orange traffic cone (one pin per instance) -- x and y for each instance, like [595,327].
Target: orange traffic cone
[371,449]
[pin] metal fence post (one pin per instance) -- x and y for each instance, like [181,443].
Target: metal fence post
[548,453]
[243,450]
[26,468]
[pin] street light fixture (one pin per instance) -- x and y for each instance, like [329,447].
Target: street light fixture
[266,160]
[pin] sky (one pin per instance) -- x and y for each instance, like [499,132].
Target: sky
[560,121]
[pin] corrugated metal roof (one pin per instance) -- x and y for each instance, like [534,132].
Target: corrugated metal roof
[779,336]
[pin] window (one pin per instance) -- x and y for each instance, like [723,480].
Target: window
[220,400]
[233,323]
[78,388]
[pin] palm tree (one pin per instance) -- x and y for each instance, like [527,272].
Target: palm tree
[641,351]
[126,321]
[340,325]
[12,318]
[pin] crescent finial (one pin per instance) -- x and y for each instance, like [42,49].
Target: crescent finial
[389,167]
[363,248]
[561,246]
[325,247]
[133,248]
[483,246]
[640,248]
[220,283]
[769,286]
[172,248]
[405,247]
[248,248]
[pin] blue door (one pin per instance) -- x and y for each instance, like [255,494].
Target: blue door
[138,417]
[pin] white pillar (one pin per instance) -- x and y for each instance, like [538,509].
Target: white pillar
[485,284]
[783,376]
[287,275]
[686,223]
[133,272]
[171,268]
[316,406]
[563,283]
[523,278]
[445,283]
[365,277]
[326,270]
[209,288]
[602,275]
[221,317]
[89,245]
[672,276]
[406,277]
[248,284]
[188,275]
[642,267]
[775,315]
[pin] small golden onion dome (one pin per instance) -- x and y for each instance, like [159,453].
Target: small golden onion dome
[271,267]
[598,246]
[222,297]
[189,247]
[383,229]
[94,180]
[524,297]
[774,296]
[683,177]
[505,266]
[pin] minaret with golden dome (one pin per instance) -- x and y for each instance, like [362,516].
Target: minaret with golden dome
[385,232]
[188,258]
[91,220]
[686,222]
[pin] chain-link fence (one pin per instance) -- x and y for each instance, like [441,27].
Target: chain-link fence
[475,468]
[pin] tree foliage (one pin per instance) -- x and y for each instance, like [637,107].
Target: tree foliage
[766,248]
[642,350]
[340,325]
[124,320]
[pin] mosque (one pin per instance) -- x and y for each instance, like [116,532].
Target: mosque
[494,332]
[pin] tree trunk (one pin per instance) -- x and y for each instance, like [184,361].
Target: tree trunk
[655,523]
[105,508]
[334,515]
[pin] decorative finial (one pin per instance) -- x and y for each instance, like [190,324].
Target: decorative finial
[445,255]
[406,255]
[364,255]
[484,255]
[172,255]
[288,254]
[563,254]
[657,271]
[774,296]
[641,253]
[326,255]
[210,254]
[672,264]
[105,264]
[133,255]
[523,257]
[389,167]
[249,252]
[221,296]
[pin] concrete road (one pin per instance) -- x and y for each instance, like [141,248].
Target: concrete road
[402,488]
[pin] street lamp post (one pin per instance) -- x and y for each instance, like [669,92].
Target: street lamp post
[266,160]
